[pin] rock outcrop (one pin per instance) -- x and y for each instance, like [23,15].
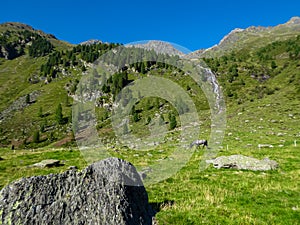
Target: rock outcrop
[107,192]
[159,47]
[91,42]
[47,163]
[242,162]
[18,105]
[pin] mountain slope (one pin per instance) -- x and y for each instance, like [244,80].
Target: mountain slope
[251,38]
[20,27]
[261,86]
[247,74]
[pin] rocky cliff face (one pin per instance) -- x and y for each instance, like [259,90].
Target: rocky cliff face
[106,192]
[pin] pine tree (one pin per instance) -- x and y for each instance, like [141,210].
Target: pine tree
[27,98]
[36,137]
[40,113]
[273,65]
[59,115]
[42,128]
[143,69]
[136,117]
[148,120]
[173,122]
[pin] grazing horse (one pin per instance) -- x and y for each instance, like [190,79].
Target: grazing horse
[199,142]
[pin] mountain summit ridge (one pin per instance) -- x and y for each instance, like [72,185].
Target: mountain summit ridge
[253,37]
[159,47]
[23,26]
[227,43]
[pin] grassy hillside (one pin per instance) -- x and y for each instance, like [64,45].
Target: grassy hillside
[34,81]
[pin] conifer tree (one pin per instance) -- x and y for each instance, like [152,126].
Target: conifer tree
[59,115]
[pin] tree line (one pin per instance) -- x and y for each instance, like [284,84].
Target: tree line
[15,44]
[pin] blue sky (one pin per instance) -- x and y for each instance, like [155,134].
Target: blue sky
[191,24]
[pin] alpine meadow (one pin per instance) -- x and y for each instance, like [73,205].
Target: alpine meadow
[258,72]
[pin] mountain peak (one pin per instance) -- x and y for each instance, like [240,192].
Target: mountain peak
[232,33]
[17,25]
[91,42]
[253,37]
[159,47]
[294,20]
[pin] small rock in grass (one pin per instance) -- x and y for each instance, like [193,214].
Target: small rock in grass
[265,146]
[242,162]
[47,163]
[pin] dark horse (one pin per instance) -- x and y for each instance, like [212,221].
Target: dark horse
[199,142]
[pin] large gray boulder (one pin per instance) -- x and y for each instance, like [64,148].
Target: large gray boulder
[107,192]
[242,162]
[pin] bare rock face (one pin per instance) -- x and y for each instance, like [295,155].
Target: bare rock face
[159,47]
[107,192]
[242,162]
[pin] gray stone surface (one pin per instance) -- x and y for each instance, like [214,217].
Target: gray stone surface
[47,163]
[18,105]
[107,192]
[242,162]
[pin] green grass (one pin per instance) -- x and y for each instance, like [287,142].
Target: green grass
[211,196]
[258,112]
[16,164]
[240,197]
[229,196]
[193,196]
[14,78]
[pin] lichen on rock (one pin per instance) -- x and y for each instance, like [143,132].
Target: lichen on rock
[107,192]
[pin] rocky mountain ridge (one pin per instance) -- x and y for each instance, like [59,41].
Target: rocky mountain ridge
[91,42]
[230,41]
[253,37]
[159,47]
[22,26]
